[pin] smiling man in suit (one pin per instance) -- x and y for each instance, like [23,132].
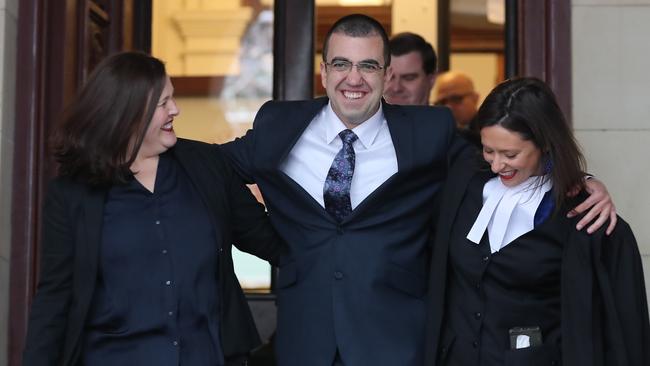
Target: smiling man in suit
[349,181]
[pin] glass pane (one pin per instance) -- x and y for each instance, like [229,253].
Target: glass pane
[219,55]
[477,42]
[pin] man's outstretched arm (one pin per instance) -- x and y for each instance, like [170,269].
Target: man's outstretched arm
[600,205]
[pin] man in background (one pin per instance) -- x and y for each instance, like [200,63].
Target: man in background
[456,91]
[414,63]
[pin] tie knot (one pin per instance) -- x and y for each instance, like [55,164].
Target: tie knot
[348,137]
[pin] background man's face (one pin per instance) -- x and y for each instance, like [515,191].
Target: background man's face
[460,97]
[409,83]
[354,95]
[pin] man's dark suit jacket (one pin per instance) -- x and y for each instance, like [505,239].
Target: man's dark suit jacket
[357,286]
[72,223]
[604,310]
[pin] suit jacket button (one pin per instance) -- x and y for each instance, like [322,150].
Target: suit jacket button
[338,275]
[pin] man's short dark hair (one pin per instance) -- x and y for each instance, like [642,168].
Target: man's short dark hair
[407,42]
[358,25]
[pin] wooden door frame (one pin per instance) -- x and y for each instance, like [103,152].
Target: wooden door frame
[538,43]
[41,88]
[544,46]
[48,80]
[50,36]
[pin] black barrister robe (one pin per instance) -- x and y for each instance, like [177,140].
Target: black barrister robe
[604,311]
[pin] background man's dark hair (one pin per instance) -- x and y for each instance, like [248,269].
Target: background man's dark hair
[358,25]
[407,42]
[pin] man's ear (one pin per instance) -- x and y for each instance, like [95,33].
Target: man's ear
[388,74]
[474,97]
[323,74]
[431,78]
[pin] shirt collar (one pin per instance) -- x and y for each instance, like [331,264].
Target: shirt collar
[366,132]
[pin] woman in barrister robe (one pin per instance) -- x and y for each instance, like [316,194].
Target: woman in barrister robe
[512,282]
[135,265]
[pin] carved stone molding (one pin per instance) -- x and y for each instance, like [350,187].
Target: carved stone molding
[211,39]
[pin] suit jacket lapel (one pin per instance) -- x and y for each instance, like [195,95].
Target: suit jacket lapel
[297,120]
[401,132]
[452,194]
[283,139]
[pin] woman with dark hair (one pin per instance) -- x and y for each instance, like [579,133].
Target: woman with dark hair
[136,264]
[512,282]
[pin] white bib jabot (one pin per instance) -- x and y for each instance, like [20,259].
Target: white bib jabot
[508,212]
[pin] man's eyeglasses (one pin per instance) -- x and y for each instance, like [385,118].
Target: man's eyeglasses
[363,67]
[452,99]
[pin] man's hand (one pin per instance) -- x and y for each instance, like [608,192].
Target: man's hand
[602,208]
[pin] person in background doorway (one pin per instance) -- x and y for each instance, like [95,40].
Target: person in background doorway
[455,90]
[413,64]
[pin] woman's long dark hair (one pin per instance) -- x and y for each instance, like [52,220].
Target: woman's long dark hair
[528,106]
[102,130]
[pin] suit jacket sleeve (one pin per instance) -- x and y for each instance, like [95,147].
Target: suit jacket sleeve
[240,151]
[250,225]
[49,311]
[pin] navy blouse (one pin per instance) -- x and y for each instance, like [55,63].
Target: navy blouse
[156,300]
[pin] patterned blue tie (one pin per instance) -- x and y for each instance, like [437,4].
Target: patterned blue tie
[336,192]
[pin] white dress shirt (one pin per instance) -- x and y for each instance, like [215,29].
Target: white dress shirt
[508,212]
[310,158]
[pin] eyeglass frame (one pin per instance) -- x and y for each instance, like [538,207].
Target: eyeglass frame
[359,65]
